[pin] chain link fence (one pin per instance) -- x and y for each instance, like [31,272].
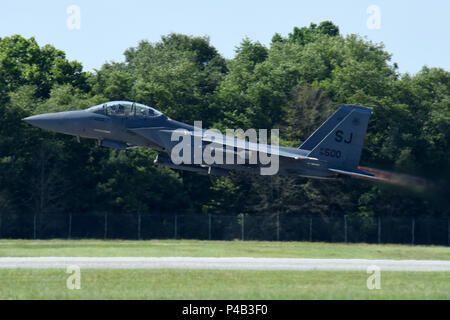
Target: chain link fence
[273,227]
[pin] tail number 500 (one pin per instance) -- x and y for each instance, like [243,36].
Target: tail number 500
[330,153]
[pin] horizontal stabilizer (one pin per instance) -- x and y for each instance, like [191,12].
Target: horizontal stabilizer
[359,174]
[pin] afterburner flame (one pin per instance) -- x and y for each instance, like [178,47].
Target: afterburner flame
[398,178]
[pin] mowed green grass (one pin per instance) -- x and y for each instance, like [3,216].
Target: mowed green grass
[217,284]
[195,248]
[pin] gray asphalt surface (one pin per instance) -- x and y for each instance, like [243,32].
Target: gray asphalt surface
[222,263]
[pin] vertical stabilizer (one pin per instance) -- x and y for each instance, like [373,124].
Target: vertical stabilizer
[342,146]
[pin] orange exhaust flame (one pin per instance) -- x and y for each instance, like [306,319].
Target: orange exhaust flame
[398,178]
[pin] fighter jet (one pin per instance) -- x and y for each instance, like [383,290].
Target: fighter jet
[332,151]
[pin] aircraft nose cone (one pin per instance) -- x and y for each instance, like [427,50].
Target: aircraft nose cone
[67,122]
[38,120]
[49,121]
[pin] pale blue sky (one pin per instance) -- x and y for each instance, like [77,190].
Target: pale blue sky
[415,32]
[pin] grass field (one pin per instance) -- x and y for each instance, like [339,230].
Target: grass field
[219,284]
[216,284]
[195,248]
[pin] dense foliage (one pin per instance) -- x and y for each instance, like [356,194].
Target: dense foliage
[293,85]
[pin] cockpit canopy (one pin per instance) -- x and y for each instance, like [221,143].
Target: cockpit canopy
[125,108]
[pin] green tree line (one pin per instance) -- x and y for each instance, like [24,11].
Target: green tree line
[294,84]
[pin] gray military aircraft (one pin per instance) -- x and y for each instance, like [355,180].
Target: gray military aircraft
[332,151]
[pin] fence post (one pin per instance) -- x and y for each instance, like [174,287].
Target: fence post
[34,226]
[278,226]
[209,226]
[242,227]
[70,226]
[106,225]
[310,229]
[175,226]
[449,232]
[345,228]
[412,230]
[139,226]
[379,229]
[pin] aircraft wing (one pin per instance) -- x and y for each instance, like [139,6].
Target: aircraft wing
[222,142]
[239,145]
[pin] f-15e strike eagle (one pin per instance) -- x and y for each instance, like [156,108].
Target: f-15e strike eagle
[332,151]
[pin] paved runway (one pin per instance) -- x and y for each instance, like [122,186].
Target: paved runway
[223,263]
